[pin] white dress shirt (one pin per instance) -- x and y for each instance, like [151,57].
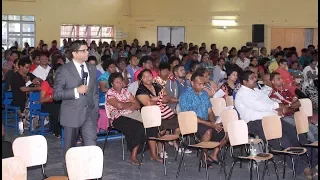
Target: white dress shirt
[41,72]
[243,64]
[85,68]
[253,104]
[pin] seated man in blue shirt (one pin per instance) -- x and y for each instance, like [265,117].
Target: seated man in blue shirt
[197,100]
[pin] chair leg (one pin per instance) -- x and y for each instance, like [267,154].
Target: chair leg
[164,158]
[251,167]
[265,169]
[43,172]
[206,165]
[275,168]
[106,140]
[284,166]
[231,169]
[142,154]
[177,151]
[200,163]
[122,145]
[257,169]
[180,163]
[293,168]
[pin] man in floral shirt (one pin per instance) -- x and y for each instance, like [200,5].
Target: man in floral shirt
[281,94]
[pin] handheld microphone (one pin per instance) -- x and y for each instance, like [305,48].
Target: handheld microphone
[84,80]
[85,77]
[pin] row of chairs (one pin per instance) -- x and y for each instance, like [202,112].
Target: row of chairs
[84,162]
[11,112]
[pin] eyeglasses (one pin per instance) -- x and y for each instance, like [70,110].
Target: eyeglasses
[82,50]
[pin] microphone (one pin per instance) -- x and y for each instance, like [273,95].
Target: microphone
[85,77]
[84,80]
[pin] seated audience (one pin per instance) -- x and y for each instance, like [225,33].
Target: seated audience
[173,61]
[49,105]
[35,60]
[253,62]
[20,87]
[231,85]
[122,68]
[252,105]
[9,75]
[132,67]
[275,64]
[294,71]
[180,78]
[282,95]
[146,62]
[109,66]
[93,60]
[219,71]
[308,85]
[263,67]
[43,69]
[123,108]
[210,87]
[196,99]
[194,65]
[150,93]
[242,61]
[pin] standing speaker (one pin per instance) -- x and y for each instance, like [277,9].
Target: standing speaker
[258,33]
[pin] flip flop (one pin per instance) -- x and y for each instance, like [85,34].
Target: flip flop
[157,159]
[137,162]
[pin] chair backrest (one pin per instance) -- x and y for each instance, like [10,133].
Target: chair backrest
[34,98]
[218,105]
[227,116]
[229,101]
[13,169]
[272,127]
[238,132]
[151,116]
[33,150]
[188,122]
[84,162]
[301,121]
[8,95]
[306,106]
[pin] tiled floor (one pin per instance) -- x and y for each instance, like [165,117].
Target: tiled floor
[116,169]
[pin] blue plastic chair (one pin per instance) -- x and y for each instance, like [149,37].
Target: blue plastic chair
[35,110]
[2,91]
[8,108]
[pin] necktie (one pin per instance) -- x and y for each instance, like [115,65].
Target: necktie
[82,73]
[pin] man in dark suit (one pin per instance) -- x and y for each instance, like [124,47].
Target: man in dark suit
[76,86]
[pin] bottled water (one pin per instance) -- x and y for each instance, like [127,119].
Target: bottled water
[253,151]
[20,127]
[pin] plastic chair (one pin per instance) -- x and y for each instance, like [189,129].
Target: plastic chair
[85,162]
[188,124]
[13,169]
[306,106]
[35,110]
[229,101]
[8,109]
[2,91]
[238,135]
[33,150]
[151,117]
[218,105]
[302,127]
[272,129]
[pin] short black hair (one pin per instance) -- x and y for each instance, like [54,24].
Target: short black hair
[304,50]
[263,48]
[202,70]
[195,75]
[105,58]
[75,45]
[273,74]
[164,65]
[24,61]
[114,76]
[229,71]
[291,53]
[263,61]
[244,76]
[282,61]
[193,64]
[195,52]
[144,60]
[143,71]
[15,52]
[311,46]
[176,67]
[240,51]
[278,54]
[172,59]
[35,53]
[92,58]
[43,45]
[107,63]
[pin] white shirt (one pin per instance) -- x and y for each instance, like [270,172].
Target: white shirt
[243,64]
[85,68]
[254,104]
[41,72]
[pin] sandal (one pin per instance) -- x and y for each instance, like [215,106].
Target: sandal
[156,159]
[136,162]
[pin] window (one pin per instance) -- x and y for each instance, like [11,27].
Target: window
[87,32]
[17,28]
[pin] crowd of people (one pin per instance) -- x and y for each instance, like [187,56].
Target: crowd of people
[175,78]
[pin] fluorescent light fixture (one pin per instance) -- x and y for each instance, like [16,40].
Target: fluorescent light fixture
[224,22]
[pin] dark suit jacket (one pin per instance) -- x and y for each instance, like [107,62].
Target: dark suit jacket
[74,112]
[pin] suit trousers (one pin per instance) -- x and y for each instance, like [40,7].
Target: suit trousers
[288,139]
[88,131]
